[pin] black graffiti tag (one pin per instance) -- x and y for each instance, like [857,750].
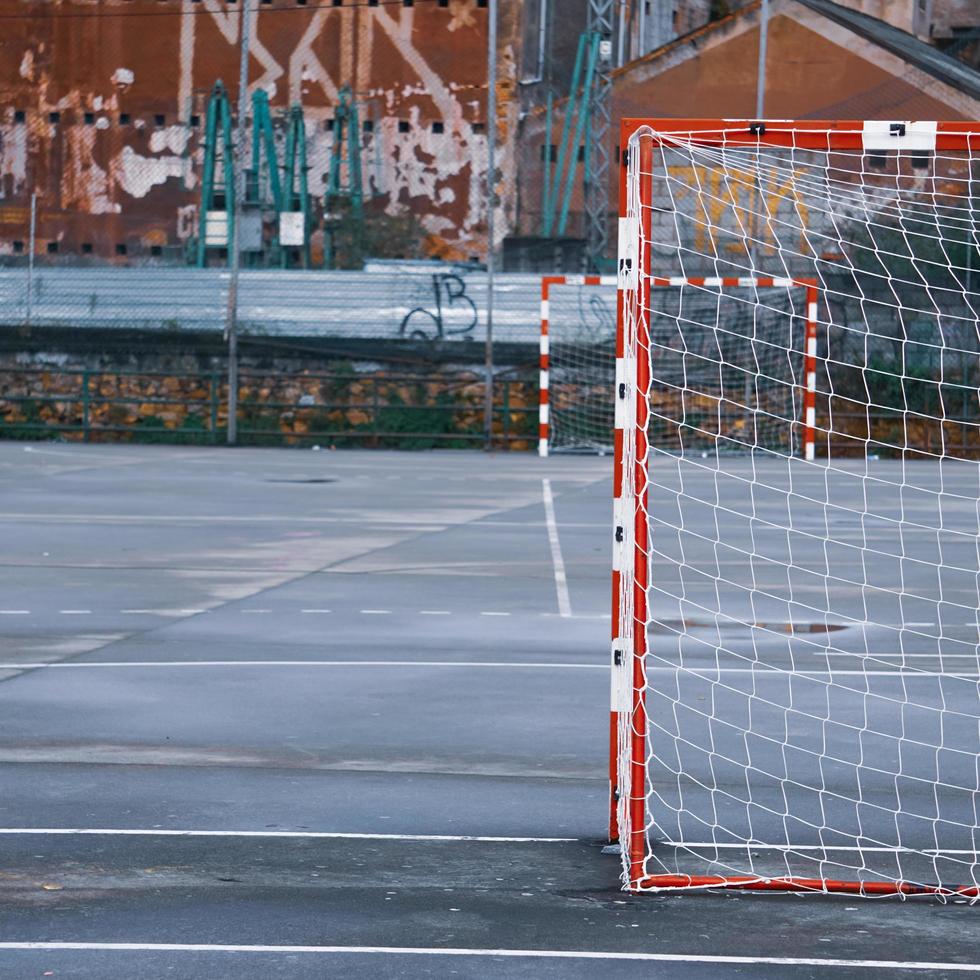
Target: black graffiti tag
[449,299]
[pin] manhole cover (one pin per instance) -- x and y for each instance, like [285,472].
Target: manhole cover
[314,479]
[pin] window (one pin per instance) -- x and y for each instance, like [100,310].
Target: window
[877,159]
[368,125]
[86,248]
[156,250]
[920,161]
[18,247]
[438,127]
[52,248]
[195,121]
[124,118]
[403,126]
[20,116]
[552,154]
[121,248]
[479,127]
[89,118]
[159,119]
[54,117]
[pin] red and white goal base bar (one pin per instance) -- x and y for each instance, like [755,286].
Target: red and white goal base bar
[836,144]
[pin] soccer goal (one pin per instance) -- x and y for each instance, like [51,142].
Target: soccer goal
[770,320]
[796,575]
[578,364]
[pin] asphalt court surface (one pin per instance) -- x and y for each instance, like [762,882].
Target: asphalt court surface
[347,677]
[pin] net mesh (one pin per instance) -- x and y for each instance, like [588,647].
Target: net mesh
[796,680]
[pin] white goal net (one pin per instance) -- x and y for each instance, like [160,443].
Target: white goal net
[796,648]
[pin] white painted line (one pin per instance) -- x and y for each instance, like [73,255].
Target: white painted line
[15,612]
[603,615]
[255,612]
[561,582]
[314,610]
[494,613]
[291,834]
[549,954]
[81,664]
[375,612]
[899,656]
[819,848]
[19,518]
[434,612]
[75,612]
[493,664]
[162,612]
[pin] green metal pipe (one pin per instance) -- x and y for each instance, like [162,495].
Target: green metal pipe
[549,213]
[546,192]
[579,130]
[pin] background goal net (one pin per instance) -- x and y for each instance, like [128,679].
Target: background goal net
[795,658]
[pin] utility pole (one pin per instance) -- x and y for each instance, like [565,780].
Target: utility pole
[760,86]
[237,163]
[31,243]
[600,23]
[491,191]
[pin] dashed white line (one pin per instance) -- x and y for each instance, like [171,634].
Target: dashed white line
[75,612]
[162,612]
[375,612]
[434,612]
[254,612]
[15,612]
[314,610]
[494,613]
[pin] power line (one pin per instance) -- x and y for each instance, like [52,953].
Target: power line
[39,12]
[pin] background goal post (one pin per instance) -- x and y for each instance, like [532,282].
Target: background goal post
[795,676]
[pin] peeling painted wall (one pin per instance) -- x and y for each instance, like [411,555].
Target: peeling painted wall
[102,103]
